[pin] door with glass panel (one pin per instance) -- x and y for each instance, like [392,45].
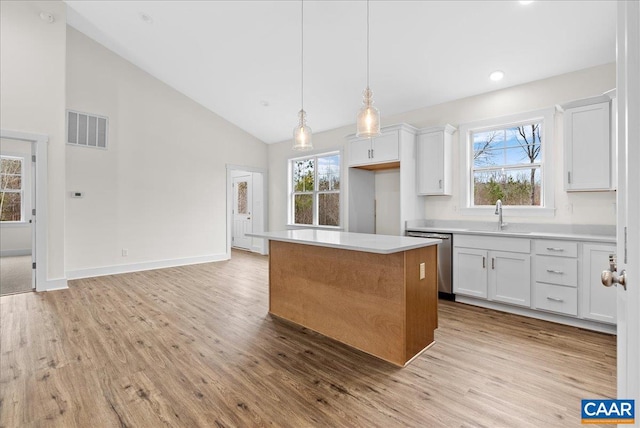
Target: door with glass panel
[242,207]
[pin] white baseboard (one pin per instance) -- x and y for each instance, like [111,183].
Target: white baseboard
[546,316]
[137,267]
[259,249]
[54,285]
[13,253]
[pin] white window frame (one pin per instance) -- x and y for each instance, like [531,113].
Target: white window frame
[547,198]
[315,193]
[22,160]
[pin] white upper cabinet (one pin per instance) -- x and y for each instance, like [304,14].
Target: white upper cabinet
[434,160]
[369,151]
[588,147]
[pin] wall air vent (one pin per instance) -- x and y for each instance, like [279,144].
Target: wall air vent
[87,130]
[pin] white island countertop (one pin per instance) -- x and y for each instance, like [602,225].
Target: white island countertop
[366,242]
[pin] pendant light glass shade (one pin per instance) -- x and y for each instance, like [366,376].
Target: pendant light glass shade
[368,117]
[302,133]
[368,122]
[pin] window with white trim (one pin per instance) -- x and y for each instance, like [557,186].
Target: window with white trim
[507,165]
[11,189]
[508,159]
[314,189]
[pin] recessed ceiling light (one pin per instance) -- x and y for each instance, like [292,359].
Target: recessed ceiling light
[47,17]
[264,103]
[147,19]
[496,75]
[525,2]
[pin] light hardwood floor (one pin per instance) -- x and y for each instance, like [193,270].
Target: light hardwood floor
[193,346]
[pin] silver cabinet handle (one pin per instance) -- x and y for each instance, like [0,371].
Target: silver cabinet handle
[369,154]
[555,249]
[372,154]
[569,177]
[440,184]
[484,262]
[559,272]
[493,263]
[555,299]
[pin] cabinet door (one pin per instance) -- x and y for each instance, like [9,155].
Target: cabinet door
[470,272]
[510,278]
[430,150]
[360,152]
[587,147]
[385,148]
[598,301]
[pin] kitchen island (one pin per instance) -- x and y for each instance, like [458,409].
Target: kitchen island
[375,293]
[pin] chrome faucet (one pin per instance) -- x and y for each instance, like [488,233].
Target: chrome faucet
[498,212]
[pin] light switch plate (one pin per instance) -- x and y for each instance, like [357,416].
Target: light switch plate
[422,270]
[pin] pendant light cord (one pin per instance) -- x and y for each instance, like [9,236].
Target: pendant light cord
[367,43]
[302,54]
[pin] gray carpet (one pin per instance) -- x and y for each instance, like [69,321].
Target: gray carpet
[15,274]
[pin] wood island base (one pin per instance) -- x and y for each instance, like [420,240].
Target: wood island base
[376,303]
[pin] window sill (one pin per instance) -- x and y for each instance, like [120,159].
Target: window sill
[309,226]
[510,211]
[10,224]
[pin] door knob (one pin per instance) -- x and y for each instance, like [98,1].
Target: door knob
[611,276]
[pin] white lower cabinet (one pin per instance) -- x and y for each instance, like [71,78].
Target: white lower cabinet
[556,276]
[598,302]
[501,276]
[560,277]
[510,278]
[470,272]
[556,298]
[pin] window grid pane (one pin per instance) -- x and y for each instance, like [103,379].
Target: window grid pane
[303,209]
[10,189]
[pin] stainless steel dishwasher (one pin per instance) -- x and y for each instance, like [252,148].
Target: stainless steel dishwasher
[445,269]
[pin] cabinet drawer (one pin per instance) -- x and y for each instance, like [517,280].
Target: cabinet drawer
[556,270]
[556,298]
[556,248]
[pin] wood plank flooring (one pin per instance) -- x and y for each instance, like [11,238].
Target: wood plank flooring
[194,347]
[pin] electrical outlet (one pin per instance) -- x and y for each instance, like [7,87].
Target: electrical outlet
[422,270]
[125,252]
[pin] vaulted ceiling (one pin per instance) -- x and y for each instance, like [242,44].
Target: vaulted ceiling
[241,59]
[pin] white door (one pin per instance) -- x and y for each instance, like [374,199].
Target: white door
[628,200]
[242,208]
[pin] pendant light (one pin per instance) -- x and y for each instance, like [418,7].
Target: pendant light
[368,117]
[302,133]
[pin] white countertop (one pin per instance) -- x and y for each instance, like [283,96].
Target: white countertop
[380,244]
[591,233]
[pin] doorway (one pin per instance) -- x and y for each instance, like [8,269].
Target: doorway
[17,239]
[246,208]
[241,210]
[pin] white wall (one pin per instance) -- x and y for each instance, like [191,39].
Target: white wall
[15,238]
[577,208]
[159,191]
[32,88]
[387,196]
